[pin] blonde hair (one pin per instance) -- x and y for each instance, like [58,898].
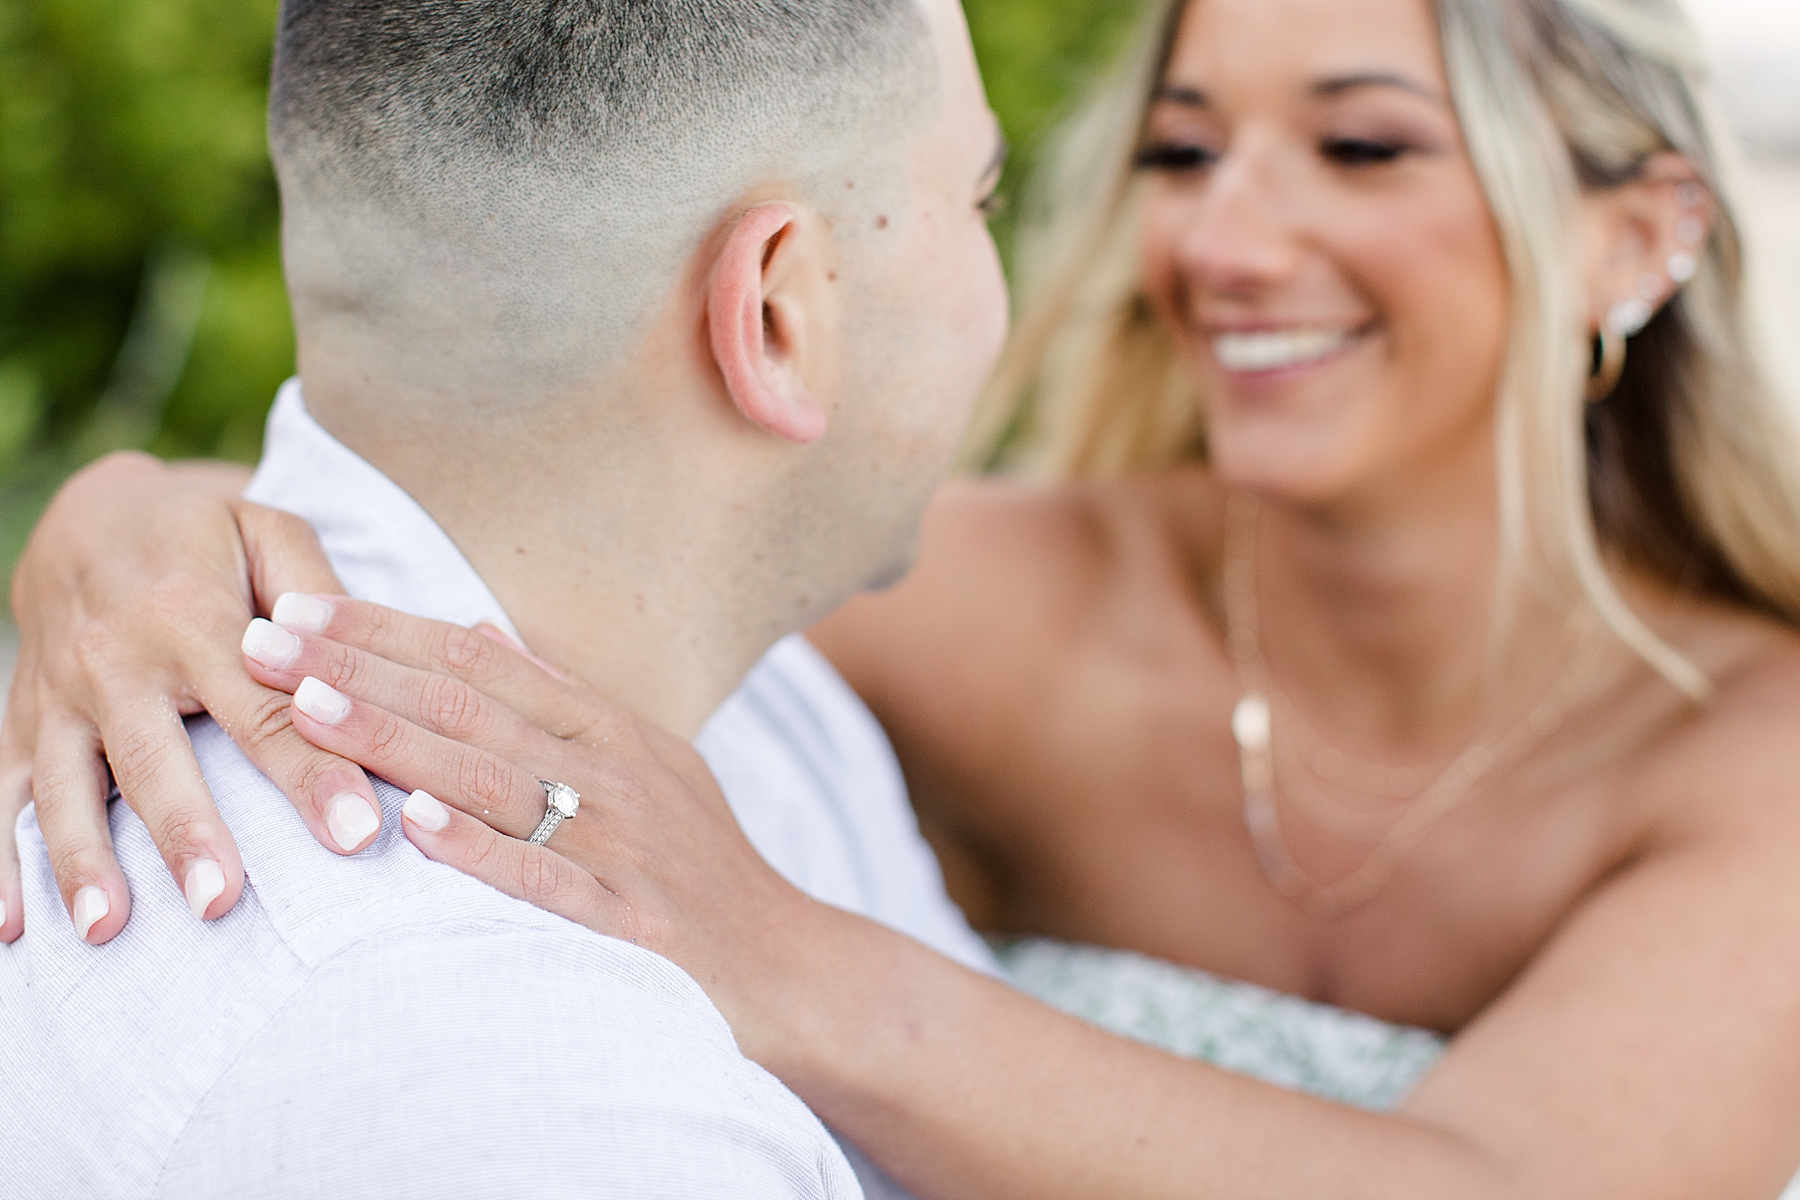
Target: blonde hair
[1687,470]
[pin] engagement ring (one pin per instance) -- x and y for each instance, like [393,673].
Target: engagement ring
[563,801]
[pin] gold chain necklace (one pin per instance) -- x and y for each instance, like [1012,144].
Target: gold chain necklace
[1254,725]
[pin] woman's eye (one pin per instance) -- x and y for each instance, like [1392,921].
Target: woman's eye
[1360,152]
[1173,156]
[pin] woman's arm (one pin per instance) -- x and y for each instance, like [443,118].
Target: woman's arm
[131,599]
[1652,1050]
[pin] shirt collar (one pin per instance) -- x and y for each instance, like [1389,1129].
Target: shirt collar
[384,546]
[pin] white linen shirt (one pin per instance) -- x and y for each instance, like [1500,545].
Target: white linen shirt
[384,1026]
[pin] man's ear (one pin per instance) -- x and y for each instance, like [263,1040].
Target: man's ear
[1645,240]
[758,322]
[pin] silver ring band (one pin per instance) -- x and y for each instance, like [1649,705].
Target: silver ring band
[545,828]
[562,802]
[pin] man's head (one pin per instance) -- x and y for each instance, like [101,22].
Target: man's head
[713,271]
[533,174]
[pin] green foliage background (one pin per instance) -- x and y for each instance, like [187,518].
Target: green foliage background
[141,301]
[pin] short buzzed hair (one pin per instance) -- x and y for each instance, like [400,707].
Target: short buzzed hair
[544,167]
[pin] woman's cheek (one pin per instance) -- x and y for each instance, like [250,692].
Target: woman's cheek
[1159,273]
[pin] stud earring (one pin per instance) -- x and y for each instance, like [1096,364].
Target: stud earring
[1682,267]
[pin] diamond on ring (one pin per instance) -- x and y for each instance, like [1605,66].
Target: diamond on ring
[561,803]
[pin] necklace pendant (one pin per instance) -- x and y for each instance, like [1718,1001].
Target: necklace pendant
[1252,724]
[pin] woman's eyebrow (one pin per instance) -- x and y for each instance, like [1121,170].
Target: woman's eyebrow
[1337,85]
[1188,96]
[1176,93]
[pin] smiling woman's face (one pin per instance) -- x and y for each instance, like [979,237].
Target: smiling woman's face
[1316,237]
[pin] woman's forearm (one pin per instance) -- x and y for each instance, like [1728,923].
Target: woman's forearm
[959,1085]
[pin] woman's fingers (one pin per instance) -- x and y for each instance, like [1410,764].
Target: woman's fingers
[143,738]
[534,874]
[70,785]
[283,554]
[332,794]
[483,784]
[154,766]
[442,704]
[555,705]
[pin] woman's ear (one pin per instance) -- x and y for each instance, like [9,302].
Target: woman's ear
[1645,240]
[760,321]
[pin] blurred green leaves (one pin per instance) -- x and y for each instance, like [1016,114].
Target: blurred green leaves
[1036,57]
[140,288]
[141,300]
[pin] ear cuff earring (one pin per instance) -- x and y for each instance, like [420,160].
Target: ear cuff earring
[1628,317]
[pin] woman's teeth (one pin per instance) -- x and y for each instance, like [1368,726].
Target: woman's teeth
[1273,351]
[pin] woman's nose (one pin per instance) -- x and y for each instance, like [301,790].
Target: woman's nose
[1236,238]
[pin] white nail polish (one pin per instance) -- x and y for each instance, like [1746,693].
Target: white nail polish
[205,883]
[91,904]
[271,645]
[424,810]
[320,701]
[297,610]
[2,910]
[351,820]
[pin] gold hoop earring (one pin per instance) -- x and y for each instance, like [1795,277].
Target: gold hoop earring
[1609,363]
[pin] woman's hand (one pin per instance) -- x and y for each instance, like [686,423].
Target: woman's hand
[131,600]
[470,725]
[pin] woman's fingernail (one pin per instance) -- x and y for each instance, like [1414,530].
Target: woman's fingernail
[271,645]
[320,701]
[297,610]
[424,810]
[205,883]
[351,820]
[90,905]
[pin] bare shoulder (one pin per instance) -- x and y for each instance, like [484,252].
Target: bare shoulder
[1008,570]
[1729,767]
[1070,542]
[1059,529]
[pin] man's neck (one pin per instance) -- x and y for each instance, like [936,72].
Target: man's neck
[610,565]
[646,634]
